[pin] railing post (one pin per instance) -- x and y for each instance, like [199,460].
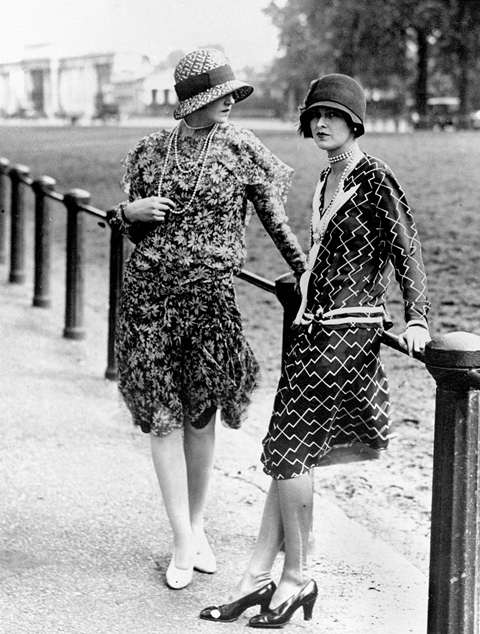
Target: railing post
[41,289]
[116,275]
[4,167]
[74,304]
[17,226]
[454,587]
[290,300]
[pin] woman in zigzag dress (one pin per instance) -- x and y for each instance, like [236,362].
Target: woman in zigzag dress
[332,398]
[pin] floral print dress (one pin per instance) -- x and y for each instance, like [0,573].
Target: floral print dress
[180,345]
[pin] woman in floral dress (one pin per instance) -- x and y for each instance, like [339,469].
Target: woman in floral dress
[332,395]
[181,351]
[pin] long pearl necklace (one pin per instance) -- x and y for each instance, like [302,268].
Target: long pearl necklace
[202,154]
[202,160]
[319,225]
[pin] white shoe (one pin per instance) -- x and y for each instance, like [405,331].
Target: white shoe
[178,578]
[204,559]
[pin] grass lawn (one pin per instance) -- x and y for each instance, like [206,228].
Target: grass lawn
[440,173]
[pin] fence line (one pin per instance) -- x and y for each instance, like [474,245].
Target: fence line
[452,359]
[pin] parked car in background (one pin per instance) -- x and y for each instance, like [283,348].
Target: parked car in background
[475,120]
[442,114]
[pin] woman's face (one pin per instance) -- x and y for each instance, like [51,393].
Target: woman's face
[215,112]
[329,129]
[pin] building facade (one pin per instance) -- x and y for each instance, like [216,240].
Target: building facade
[83,86]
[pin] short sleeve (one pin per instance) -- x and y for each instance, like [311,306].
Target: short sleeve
[259,167]
[133,181]
[134,186]
[267,181]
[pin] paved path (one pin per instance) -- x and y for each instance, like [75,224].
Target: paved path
[83,537]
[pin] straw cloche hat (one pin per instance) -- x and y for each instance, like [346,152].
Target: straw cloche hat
[203,76]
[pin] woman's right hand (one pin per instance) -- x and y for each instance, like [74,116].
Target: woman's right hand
[151,209]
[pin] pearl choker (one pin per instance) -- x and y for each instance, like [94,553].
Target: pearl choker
[341,157]
[327,212]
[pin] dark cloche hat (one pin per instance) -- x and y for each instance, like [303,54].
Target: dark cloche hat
[336,91]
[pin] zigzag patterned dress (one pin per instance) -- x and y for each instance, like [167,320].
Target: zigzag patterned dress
[333,392]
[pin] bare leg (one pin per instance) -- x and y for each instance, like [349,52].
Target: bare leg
[258,572]
[296,506]
[169,461]
[267,547]
[199,445]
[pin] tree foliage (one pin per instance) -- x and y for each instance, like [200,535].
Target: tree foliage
[459,50]
[395,45]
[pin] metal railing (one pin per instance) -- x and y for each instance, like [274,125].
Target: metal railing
[453,360]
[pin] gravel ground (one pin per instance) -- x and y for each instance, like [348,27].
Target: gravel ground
[84,539]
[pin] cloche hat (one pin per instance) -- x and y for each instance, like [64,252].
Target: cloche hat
[335,91]
[203,76]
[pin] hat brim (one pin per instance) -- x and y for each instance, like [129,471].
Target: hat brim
[238,89]
[338,106]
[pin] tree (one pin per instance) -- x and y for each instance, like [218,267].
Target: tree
[461,45]
[362,38]
[423,23]
[384,43]
[305,55]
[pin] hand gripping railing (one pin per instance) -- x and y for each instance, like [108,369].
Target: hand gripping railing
[453,360]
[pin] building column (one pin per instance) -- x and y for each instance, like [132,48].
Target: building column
[52,108]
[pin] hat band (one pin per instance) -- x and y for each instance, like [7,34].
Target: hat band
[199,83]
[330,103]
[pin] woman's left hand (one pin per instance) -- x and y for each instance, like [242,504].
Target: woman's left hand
[415,338]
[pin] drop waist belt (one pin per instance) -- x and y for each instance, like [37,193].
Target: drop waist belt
[350,315]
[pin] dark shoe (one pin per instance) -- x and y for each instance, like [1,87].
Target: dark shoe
[231,611]
[282,614]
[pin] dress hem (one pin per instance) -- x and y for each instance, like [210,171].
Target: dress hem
[346,453]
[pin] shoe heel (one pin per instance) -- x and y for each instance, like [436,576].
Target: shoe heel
[264,605]
[308,609]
